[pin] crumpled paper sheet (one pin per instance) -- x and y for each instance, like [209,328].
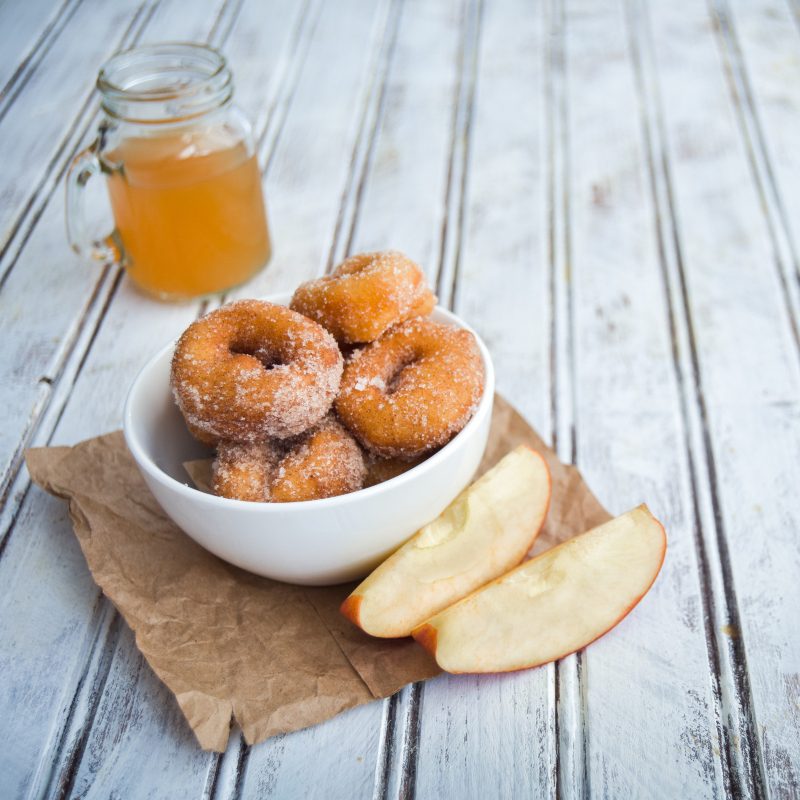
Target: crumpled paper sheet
[232,645]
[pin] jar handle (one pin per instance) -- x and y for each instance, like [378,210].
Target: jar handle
[84,166]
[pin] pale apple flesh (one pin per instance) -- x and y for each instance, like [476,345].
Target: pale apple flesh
[552,605]
[484,532]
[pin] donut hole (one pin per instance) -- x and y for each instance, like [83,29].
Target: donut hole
[355,264]
[401,373]
[266,357]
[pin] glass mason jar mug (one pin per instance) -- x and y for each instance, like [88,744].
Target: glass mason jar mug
[181,172]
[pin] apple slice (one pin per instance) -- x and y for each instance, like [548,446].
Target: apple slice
[553,604]
[484,532]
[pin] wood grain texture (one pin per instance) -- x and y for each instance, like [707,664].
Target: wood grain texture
[569,712]
[763,47]
[55,100]
[135,686]
[628,448]
[396,172]
[762,137]
[30,31]
[81,631]
[42,343]
[608,192]
[494,736]
[743,376]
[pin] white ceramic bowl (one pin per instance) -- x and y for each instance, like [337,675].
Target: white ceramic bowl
[317,542]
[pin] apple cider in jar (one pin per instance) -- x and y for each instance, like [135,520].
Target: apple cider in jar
[206,188]
[181,171]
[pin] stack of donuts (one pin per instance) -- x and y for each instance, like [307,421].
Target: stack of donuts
[292,418]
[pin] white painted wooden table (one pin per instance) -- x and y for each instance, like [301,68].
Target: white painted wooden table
[609,190]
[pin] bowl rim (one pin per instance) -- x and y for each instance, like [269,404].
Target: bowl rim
[192,494]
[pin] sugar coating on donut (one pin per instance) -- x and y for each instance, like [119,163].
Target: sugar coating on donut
[251,371]
[366,295]
[326,462]
[243,471]
[323,462]
[413,389]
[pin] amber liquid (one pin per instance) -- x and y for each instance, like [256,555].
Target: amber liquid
[190,213]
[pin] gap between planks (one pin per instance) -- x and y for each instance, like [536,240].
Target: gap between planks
[452,228]
[741,759]
[31,60]
[569,747]
[372,105]
[396,770]
[55,387]
[794,8]
[56,168]
[13,484]
[95,668]
[370,119]
[775,215]
[267,140]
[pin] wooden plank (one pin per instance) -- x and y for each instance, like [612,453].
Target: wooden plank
[738,359]
[303,220]
[396,173]
[720,417]
[344,754]
[122,323]
[50,716]
[105,764]
[400,205]
[309,220]
[760,46]
[29,32]
[759,49]
[569,712]
[628,438]
[56,96]
[494,736]
[49,346]
[42,340]
[278,767]
[44,579]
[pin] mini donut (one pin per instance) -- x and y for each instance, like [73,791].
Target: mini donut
[243,471]
[412,390]
[324,462]
[201,436]
[252,371]
[365,296]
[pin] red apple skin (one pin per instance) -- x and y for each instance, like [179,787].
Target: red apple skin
[427,634]
[350,608]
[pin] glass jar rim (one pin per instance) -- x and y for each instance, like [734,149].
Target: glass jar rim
[140,83]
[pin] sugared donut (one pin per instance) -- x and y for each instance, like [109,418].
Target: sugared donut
[252,371]
[201,435]
[411,390]
[244,471]
[324,462]
[366,295]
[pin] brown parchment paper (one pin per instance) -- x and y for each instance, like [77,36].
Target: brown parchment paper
[231,645]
